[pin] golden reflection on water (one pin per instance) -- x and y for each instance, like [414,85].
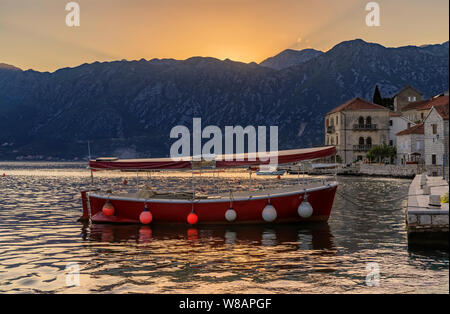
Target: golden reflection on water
[39,236]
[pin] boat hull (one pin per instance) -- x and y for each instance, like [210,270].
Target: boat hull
[212,211]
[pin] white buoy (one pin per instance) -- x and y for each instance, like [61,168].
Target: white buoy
[230,215]
[269,213]
[305,209]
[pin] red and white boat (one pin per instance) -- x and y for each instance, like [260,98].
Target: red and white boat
[304,201]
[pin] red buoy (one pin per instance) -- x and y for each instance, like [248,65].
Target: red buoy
[108,209]
[278,177]
[125,182]
[146,216]
[4,175]
[192,218]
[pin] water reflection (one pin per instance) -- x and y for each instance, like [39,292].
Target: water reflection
[315,236]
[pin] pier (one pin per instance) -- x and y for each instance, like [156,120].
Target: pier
[426,216]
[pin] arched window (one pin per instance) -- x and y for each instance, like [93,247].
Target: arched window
[361,141]
[369,141]
[332,140]
[361,121]
[369,120]
[337,140]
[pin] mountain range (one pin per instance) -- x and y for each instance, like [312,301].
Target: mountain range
[127,108]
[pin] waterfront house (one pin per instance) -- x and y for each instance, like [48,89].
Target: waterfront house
[397,123]
[354,127]
[410,145]
[436,135]
[405,96]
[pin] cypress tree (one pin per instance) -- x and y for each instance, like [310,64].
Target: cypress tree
[377,99]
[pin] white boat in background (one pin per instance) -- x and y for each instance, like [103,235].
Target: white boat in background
[267,170]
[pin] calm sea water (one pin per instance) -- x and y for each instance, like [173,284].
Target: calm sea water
[40,236]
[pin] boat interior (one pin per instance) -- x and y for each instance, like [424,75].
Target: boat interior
[148,192]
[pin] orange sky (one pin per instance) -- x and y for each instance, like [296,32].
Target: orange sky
[33,33]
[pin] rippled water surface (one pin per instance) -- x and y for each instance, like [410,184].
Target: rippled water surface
[40,236]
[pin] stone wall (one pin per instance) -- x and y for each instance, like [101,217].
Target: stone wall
[390,170]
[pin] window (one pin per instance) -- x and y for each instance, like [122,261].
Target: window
[391,122]
[433,159]
[368,120]
[361,121]
[337,120]
[418,145]
[369,141]
[361,141]
[421,116]
[391,142]
[337,140]
[434,128]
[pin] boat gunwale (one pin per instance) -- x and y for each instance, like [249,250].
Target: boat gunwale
[216,200]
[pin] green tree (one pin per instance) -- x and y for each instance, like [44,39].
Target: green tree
[379,152]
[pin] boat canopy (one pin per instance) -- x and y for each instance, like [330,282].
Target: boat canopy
[223,161]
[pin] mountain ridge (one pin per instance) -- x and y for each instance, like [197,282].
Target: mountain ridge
[127,108]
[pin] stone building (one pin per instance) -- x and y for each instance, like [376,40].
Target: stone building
[355,126]
[418,110]
[405,96]
[410,145]
[436,135]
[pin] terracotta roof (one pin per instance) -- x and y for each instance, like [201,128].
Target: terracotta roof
[442,110]
[426,104]
[394,114]
[415,105]
[357,104]
[416,129]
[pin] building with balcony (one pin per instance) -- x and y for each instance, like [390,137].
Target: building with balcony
[355,126]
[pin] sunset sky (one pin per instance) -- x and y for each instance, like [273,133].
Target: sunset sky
[33,33]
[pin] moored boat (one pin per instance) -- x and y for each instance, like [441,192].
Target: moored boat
[302,201]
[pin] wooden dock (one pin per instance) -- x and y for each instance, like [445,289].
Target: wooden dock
[426,217]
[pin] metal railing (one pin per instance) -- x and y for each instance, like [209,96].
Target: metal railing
[362,148]
[365,127]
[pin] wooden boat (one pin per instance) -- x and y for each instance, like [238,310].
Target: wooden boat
[308,201]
